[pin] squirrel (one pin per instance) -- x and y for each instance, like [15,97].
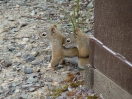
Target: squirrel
[81,42]
[58,51]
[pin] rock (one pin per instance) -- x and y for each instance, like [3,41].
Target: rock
[1,91]
[11,18]
[85,29]
[23,96]
[32,80]
[0,67]
[38,69]
[34,53]
[28,70]
[32,89]
[48,79]
[90,5]
[1,28]
[14,30]
[17,90]
[41,83]
[10,48]
[17,6]
[12,85]
[62,16]
[18,67]
[35,62]
[27,85]
[18,54]
[28,47]
[7,63]
[60,66]
[25,39]
[28,57]
[32,13]
[47,57]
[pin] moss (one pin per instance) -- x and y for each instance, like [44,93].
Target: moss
[57,92]
[76,84]
[92,97]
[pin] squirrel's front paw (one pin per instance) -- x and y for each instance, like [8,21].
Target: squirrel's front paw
[49,67]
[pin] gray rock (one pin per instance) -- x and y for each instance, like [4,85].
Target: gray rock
[10,48]
[32,80]
[14,30]
[28,47]
[60,66]
[47,57]
[11,18]
[32,89]
[25,39]
[34,53]
[90,5]
[32,13]
[27,85]
[28,57]
[48,79]
[7,63]
[0,67]
[1,91]
[28,70]
[18,54]
[42,83]
[23,96]
[62,16]
[12,85]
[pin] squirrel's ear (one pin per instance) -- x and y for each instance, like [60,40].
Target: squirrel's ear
[76,32]
[53,29]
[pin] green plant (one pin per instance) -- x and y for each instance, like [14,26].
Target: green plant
[74,19]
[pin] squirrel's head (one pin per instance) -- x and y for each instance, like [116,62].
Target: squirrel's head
[51,32]
[72,39]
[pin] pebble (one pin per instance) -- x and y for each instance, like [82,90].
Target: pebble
[90,5]
[32,80]
[10,48]
[23,96]
[0,67]
[32,13]
[48,79]
[25,39]
[60,66]
[28,57]
[7,63]
[28,70]
[31,89]
[62,16]
[18,54]
[11,18]
[47,57]
[28,47]
[14,30]
[34,53]
[27,85]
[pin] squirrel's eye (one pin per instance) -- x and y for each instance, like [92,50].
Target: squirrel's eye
[68,40]
[44,34]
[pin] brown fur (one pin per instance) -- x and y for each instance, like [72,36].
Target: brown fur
[81,42]
[58,51]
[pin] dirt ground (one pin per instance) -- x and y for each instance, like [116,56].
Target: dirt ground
[24,56]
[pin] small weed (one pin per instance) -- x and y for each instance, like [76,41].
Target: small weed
[92,97]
